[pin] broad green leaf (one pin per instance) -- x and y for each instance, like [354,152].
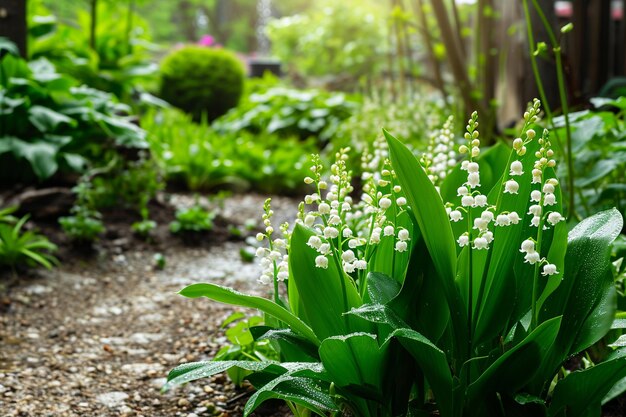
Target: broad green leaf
[303,391]
[581,393]
[429,211]
[40,155]
[325,294]
[46,120]
[192,371]
[354,360]
[381,288]
[286,335]
[230,296]
[586,297]
[517,366]
[433,363]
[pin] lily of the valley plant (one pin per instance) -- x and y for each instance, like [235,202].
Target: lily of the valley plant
[460,298]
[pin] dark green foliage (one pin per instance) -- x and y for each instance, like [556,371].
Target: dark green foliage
[85,224]
[290,112]
[48,124]
[203,82]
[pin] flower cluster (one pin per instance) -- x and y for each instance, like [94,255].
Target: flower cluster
[274,259]
[471,198]
[542,199]
[440,155]
[345,229]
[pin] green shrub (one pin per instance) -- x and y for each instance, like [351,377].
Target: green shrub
[202,81]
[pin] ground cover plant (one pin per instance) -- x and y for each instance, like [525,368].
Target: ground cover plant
[200,158]
[289,112]
[409,301]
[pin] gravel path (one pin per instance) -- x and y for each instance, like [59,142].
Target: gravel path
[97,337]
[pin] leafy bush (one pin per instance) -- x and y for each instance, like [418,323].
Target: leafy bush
[23,247]
[49,125]
[402,304]
[203,159]
[289,112]
[119,63]
[203,82]
[194,219]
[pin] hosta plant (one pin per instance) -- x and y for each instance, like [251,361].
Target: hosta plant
[462,300]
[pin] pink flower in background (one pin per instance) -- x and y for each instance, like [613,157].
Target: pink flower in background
[207,40]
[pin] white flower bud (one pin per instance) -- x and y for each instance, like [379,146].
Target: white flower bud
[330,232]
[463,240]
[360,264]
[456,215]
[518,143]
[308,180]
[511,187]
[535,195]
[321,262]
[348,256]
[282,275]
[461,191]
[334,220]
[514,217]
[555,217]
[475,151]
[349,267]
[549,199]
[323,185]
[503,220]
[532,257]
[403,234]
[353,243]
[535,210]
[481,243]
[516,168]
[527,246]
[388,231]
[265,279]
[260,237]
[489,236]
[480,224]
[473,179]
[487,216]
[401,201]
[467,201]
[480,200]
[324,248]
[347,232]
[315,242]
[324,208]
[549,269]
[309,219]
[401,246]
[548,188]
[384,203]
[275,255]
[346,207]
[535,221]
[375,238]
[472,167]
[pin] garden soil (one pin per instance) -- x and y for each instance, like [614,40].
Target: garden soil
[97,335]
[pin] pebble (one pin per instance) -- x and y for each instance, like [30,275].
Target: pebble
[183,402]
[112,399]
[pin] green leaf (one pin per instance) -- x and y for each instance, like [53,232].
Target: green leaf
[586,298]
[230,296]
[517,366]
[302,391]
[354,360]
[40,155]
[286,335]
[381,288]
[429,211]
[581,393]
[434,364]
[324,294]
[46,120]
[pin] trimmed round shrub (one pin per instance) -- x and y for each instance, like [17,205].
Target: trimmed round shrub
[201,80]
